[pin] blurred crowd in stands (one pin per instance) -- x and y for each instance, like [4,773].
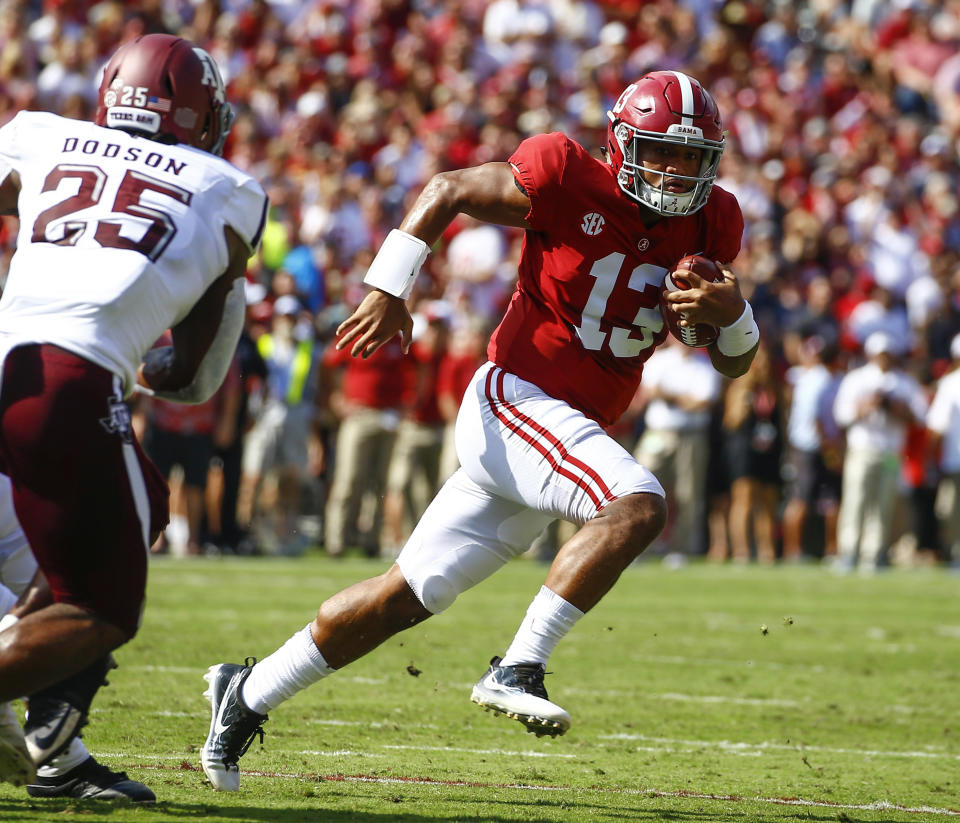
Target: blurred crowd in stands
[844,131]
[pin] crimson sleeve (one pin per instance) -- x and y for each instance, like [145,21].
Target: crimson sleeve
[725,226]
[538,166]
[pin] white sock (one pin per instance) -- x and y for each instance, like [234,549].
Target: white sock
[291,668]
[71,757]
[548,620]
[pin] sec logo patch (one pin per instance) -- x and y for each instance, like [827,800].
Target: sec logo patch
[592,223]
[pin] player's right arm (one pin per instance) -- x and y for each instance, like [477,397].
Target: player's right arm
[192,369]
[488,192]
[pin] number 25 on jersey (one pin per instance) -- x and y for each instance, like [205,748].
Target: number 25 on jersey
[154,227]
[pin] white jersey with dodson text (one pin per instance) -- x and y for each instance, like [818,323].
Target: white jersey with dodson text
[119,236]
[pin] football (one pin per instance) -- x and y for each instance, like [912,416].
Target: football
[701,334]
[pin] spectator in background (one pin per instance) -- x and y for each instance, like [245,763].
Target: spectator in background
[223,474]
[812,483]
[465,354]
[718,487]
[915,539]
[185,435]
[413,477]
[516,30]
[368,398]
[874,404]
[223,528]
[66,76]
[840,114]
[478,258]
[275,451]
[679,387]
[880,311]
[943,425]
[752,421]
[813,323]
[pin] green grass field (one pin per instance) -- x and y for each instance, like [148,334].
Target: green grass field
[707,694]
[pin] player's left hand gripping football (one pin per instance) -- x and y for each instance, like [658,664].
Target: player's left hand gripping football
[717,304]
[376,320]
[156,369]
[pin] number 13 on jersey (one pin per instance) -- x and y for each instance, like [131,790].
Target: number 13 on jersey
[645,279]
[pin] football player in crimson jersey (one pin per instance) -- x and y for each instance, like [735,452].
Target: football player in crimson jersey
[129,226]
[563,363]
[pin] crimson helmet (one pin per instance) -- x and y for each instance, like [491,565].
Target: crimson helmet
[167,88]
[671,107]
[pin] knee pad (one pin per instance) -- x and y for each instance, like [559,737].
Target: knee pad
[437,594]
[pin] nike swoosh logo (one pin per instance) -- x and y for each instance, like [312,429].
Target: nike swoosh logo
[218,727]
[48,740]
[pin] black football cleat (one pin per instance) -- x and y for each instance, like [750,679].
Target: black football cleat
[232,725]
[56,714]
[92,780]
[518,692]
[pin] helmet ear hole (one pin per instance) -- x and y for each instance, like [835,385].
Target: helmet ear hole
[206,133]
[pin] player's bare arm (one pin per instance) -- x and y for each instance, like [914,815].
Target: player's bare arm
[9,193]
[171,368]
[488,192]
[719,304]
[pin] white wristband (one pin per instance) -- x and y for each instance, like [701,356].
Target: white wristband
[7,621]
[740,336]
[397,264]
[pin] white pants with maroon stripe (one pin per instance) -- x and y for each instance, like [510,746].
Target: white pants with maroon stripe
[526,459]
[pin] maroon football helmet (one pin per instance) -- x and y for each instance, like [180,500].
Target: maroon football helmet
[167,88]
[665,106]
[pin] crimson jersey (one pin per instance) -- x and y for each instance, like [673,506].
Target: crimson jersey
[585,314]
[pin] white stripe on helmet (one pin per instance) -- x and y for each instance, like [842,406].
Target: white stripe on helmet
[686,98]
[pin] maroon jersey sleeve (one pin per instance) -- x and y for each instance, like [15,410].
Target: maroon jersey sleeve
[724,226]
[538,165]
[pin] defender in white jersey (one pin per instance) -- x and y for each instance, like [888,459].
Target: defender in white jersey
[128,227]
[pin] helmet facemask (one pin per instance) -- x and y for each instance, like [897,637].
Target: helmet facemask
[222,113]
[630,177]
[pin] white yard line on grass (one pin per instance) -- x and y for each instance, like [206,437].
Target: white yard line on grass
[372,724]
[527,753]
[694,698]
[724,661]
[736,747]
[338,753]
[877,805]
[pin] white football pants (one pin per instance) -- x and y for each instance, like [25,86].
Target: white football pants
[526,459]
